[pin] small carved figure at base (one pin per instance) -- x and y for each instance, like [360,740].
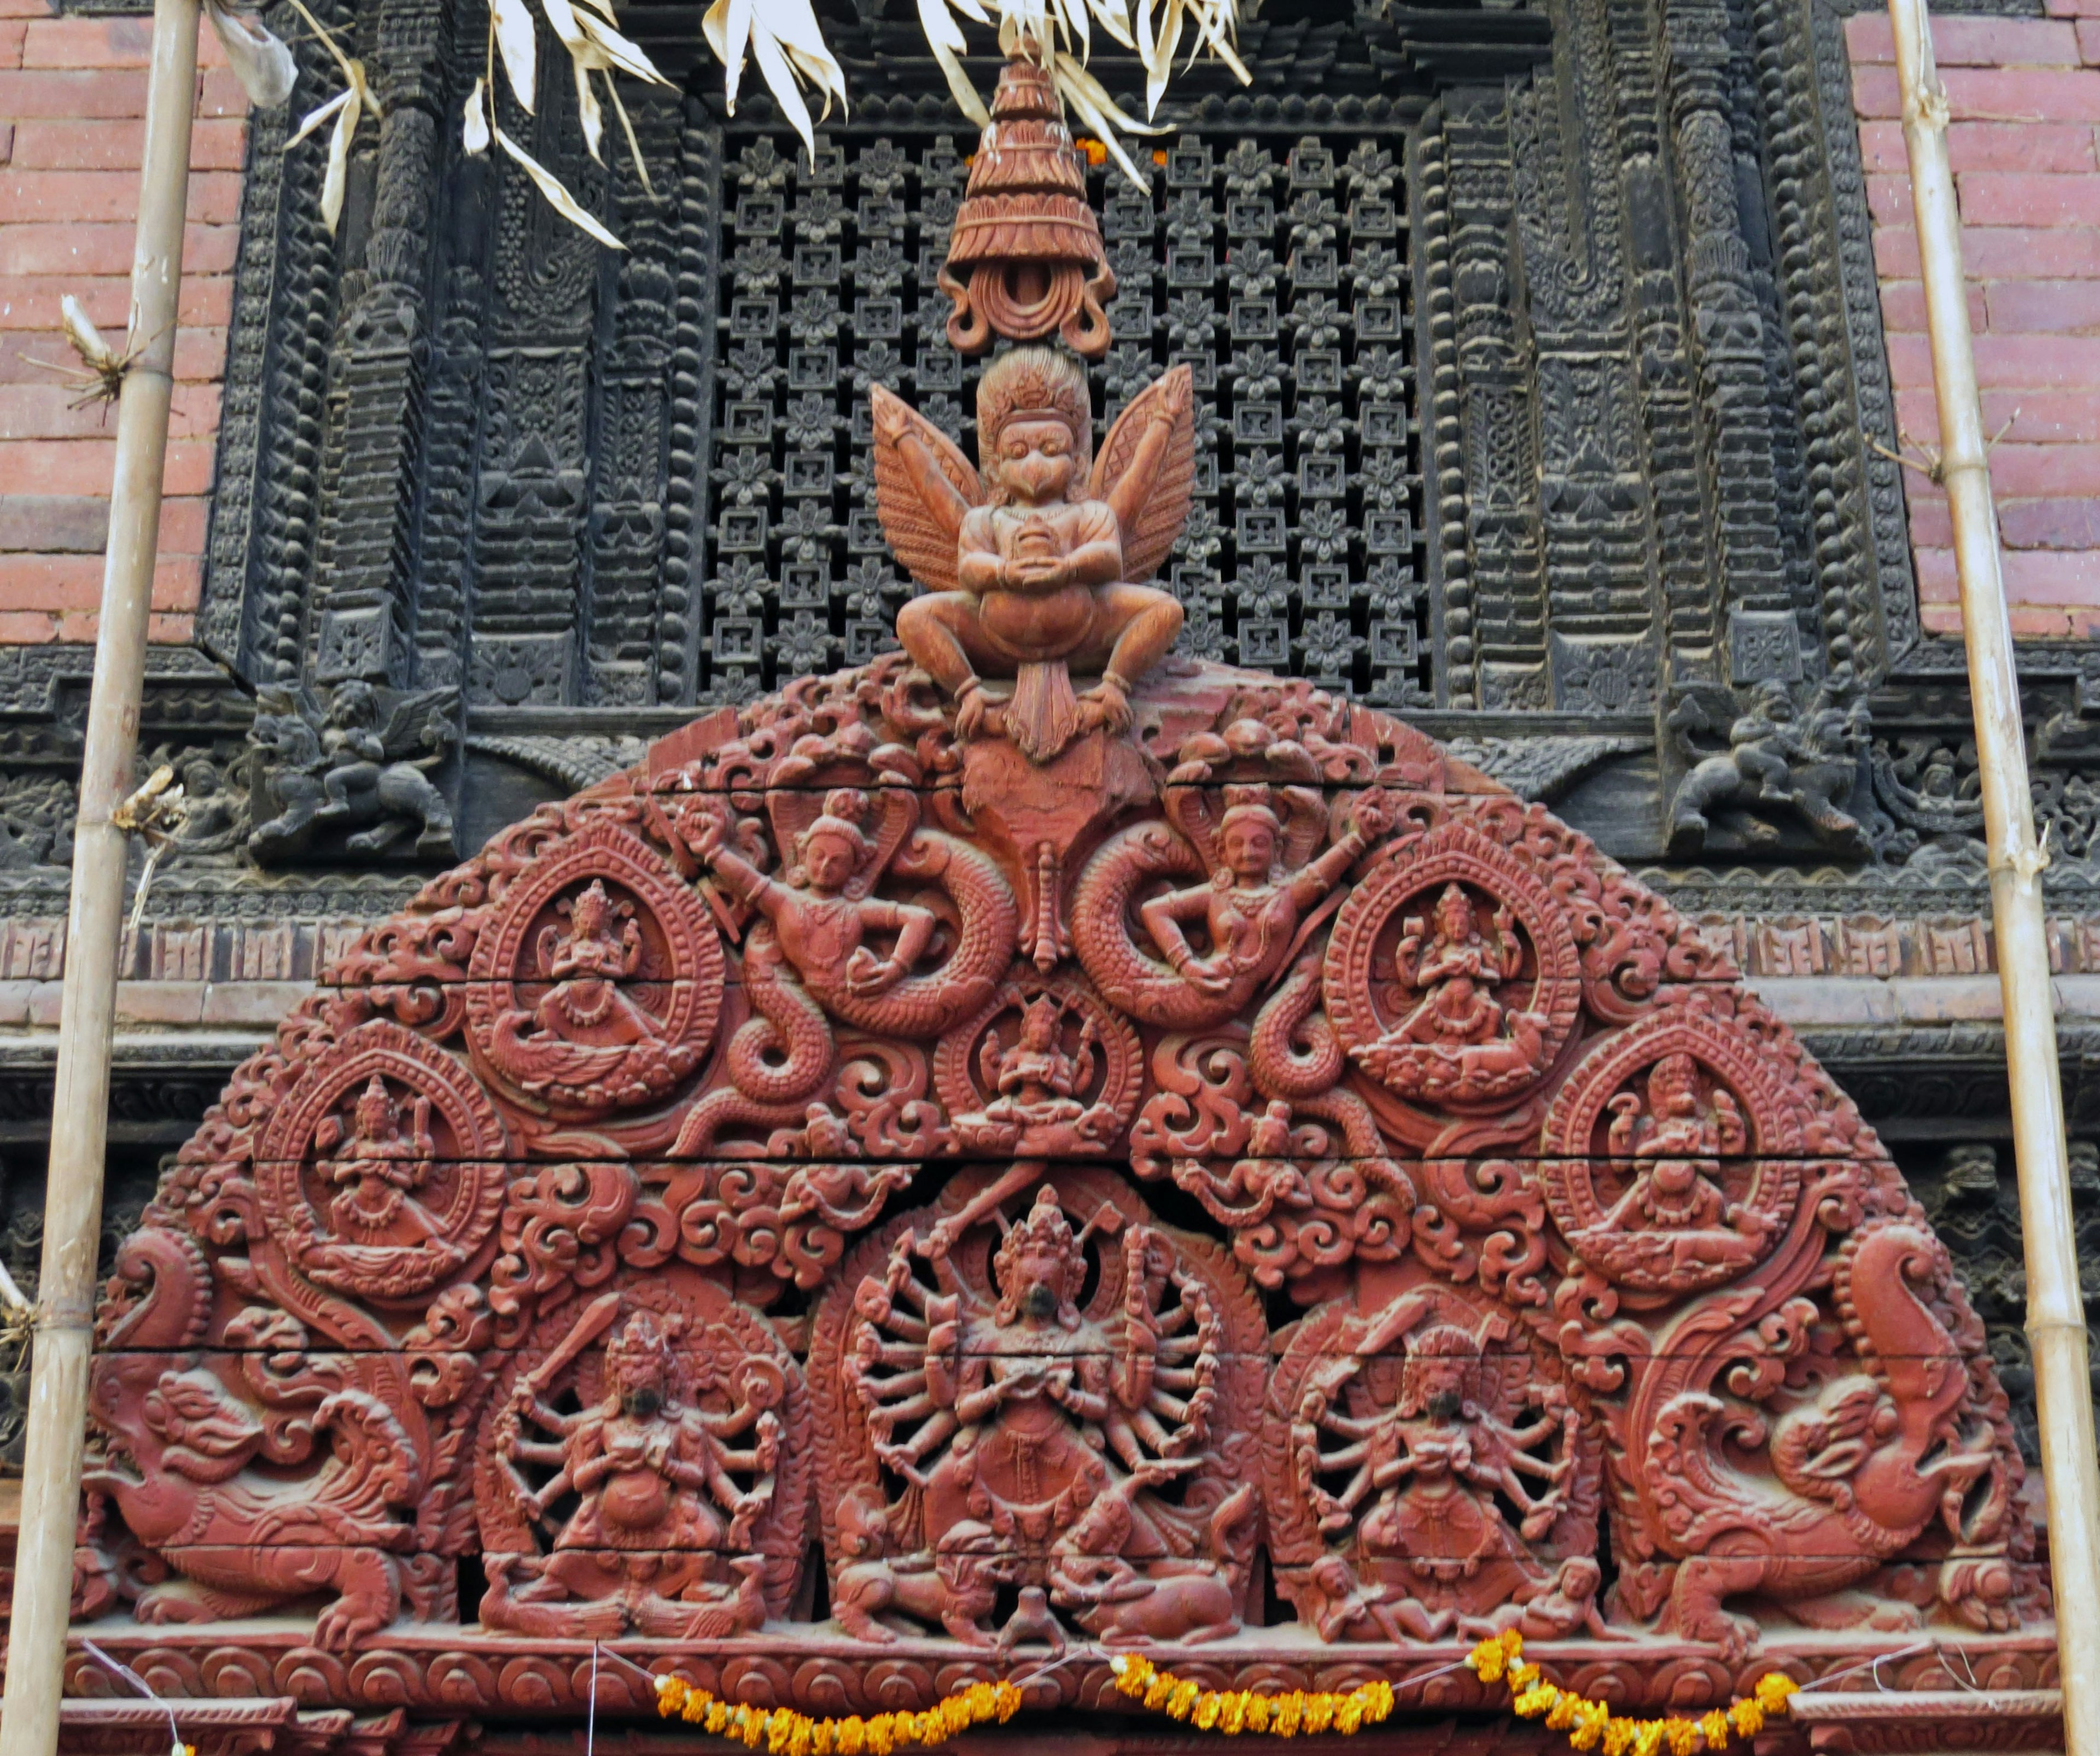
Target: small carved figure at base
[1346,1609]
[1566,1610]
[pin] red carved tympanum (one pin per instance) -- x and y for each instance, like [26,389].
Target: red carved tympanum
[920,1177]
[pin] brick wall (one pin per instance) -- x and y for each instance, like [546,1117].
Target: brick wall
[2025,94]
[73,98]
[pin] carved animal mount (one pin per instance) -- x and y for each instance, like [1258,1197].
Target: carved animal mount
[343,781]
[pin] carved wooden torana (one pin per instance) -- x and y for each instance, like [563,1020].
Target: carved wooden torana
[841,1206]
[954,1161]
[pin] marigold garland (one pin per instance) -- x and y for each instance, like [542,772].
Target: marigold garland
[1232,1711]
[1592,1725]
[785,1732]
[1589,1724]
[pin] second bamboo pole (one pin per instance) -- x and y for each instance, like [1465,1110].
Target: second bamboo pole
[94,920]
[2056,1311]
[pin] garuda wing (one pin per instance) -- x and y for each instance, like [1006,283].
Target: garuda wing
[924,486]
[421,728]
[1146,470]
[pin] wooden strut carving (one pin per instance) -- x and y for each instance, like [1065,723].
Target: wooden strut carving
[901,1184]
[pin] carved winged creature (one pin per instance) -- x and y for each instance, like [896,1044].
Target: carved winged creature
[1030,571]
[361,766]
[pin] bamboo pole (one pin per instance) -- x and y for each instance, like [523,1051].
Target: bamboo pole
[94,920]
[2056,1312]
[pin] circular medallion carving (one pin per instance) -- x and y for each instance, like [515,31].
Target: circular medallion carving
[381,1172]
[1043,1070]
[644,1466]
[1452,976]
[1673,1155]
[597,982]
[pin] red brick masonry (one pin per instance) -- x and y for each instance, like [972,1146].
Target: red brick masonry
[72,97]
[2026,100]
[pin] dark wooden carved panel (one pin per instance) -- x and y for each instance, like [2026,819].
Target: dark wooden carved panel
[1539,349]
[845,1208]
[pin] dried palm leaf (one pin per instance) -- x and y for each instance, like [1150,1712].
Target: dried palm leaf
[473,130]
[558,197]
[99,377]
[347,106]
[782,36]
[1215,21]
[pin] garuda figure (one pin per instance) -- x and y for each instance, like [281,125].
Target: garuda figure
[1031,569]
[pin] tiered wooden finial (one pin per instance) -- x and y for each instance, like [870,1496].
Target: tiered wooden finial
[1025,260]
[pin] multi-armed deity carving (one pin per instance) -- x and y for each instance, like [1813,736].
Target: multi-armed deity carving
[1096,1450]
[1148,1154]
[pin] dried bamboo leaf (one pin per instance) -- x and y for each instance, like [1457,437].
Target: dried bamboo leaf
[1086,95]
[517,40]
[473,129]
[87,341]
[337,177]
[327,38]
[562,16]
[259,59]
[945,37]
[783,37]
[314,117]
[609,49]
[558,197]
[634,145]
[589,111]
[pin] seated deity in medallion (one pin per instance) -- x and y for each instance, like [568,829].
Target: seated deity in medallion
[376,1165]
[1676,1132]
[1038,1082]
[599,947]
[1461,1038]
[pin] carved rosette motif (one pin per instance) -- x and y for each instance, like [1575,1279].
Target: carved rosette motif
[1060,1201]
[597,981]
[381,1171]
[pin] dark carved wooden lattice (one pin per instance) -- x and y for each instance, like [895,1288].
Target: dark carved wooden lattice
[1276,265]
